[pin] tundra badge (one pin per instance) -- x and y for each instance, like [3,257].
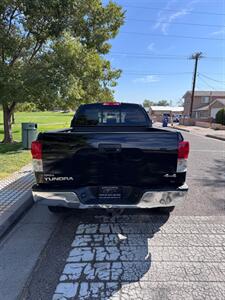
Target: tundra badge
[55,178]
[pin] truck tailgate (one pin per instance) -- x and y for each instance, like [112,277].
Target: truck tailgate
[140,159]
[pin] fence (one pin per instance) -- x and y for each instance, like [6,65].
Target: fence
[205,124]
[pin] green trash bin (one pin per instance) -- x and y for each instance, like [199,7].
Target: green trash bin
[29,134]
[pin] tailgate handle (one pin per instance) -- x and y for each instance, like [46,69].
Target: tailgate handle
[109,148]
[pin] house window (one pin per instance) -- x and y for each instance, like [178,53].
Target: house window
[205,100]
[203,114]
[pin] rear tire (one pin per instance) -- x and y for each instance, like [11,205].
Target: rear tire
[180,179]
[166,210]
[56,209]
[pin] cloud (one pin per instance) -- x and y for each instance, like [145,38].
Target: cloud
[147,79]
[151,47]
[166,18]
[219,32]
[163,50]
[178,14]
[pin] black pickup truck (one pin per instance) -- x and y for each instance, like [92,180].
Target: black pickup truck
[111,156]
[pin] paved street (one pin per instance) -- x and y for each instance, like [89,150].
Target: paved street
[205,177]
[137,255]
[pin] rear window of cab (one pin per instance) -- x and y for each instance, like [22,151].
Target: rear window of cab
[106,115]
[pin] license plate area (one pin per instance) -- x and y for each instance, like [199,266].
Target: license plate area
[110,193]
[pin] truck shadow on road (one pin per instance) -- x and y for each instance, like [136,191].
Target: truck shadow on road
[109,253]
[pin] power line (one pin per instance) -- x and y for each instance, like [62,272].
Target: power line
[176,23]
[220,86]
[199,87]
[222,73]
[215,58]
[152,56]
[207,77]
[130,72]
[172,36]
[146,56]
[206,83]
[149,55]
[142,72]
[174,10]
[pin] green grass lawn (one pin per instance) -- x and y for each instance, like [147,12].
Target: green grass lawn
[13,157]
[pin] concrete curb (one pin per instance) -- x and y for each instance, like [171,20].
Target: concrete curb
[183,129]
[215,137]
[9,217]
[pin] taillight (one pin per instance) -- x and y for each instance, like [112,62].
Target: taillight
[36,150]
[183,150]
[111,103]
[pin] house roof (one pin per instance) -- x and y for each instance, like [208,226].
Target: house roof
[222,101]
[167,108]
[207,93]
[207,107]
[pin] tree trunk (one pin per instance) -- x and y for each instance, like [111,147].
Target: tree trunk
[13,118]
[7,113]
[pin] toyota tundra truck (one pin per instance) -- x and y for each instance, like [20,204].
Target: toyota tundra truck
[110,157]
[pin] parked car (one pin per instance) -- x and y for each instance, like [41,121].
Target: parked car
[110,157]
[176,118]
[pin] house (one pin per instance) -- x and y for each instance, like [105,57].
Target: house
[156,112]
[215,106]
[205,105]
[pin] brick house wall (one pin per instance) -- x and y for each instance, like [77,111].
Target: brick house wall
[187,104]
[198,102]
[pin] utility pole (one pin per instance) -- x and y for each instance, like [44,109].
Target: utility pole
[196,56]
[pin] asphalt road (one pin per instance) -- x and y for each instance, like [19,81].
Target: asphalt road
[205,177]
[137,255]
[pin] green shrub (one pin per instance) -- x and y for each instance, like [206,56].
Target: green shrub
[220,116]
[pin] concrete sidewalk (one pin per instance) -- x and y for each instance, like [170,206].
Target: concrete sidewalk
[15,196]
[208,132]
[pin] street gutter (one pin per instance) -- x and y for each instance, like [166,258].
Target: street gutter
[216,137]
[179,128]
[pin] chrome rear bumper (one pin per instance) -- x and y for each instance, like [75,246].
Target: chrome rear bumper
[149,199]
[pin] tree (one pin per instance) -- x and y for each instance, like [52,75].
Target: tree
[163,103]
[148,103]
[29,31]
[69,74]
[220,116]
